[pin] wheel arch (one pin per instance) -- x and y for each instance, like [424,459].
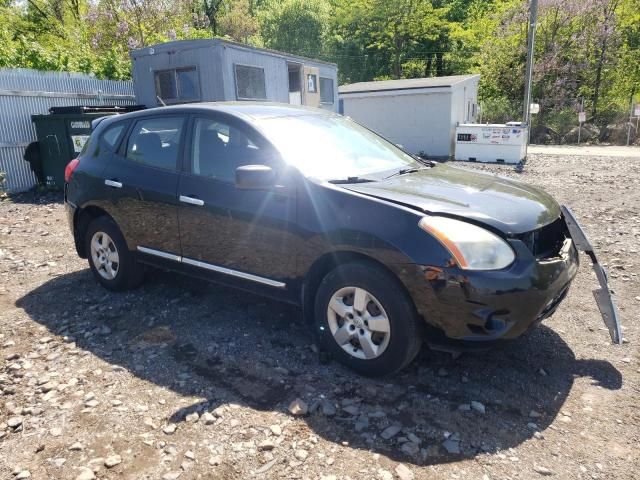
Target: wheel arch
[326,263]
[82,218]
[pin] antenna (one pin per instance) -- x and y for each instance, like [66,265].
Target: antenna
[161,101]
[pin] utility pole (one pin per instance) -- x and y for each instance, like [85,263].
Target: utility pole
[580,120]
[533,18]
[630,124]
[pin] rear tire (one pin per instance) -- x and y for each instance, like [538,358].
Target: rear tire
[110,260]
[366,320]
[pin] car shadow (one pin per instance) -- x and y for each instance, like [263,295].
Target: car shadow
[228,346]
[37,196]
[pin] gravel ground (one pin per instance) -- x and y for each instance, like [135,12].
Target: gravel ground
[180,379]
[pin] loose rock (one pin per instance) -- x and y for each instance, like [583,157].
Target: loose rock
[404,473]
[542,470]
[301,454]
[390,432]
[478,407]
[112,461]
[86,474]
[298,407]
[170,429]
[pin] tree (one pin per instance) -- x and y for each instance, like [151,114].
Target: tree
[295,26]
[238,23]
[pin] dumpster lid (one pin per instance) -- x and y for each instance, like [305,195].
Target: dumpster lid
[79,109]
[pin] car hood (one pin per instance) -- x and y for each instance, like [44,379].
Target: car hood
[508,205]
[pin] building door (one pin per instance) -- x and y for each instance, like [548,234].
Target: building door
[295,83]
[311,86]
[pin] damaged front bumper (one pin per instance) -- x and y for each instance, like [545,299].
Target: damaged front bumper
[602,295]
[467,308]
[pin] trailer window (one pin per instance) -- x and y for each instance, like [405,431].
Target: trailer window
[178,85]
[250,83]
[326,90]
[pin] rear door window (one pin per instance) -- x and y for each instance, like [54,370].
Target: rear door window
[219,148]
[155,142]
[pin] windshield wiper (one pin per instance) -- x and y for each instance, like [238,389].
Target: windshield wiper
[404,171]
[351,180]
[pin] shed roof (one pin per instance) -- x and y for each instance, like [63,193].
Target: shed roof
[405,84]
[209,42]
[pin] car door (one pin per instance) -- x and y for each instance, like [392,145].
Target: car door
[238,233]
[143,178]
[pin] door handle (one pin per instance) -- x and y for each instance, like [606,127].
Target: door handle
[113,183]
[191,200]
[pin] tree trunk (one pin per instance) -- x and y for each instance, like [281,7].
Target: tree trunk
[439,64]
[598,80]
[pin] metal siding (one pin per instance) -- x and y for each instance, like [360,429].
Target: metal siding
[204,58]
[35,94]
[418,122]
[276,76]
[215,61]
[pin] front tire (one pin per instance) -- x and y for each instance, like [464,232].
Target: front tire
[112,264]
[366,320]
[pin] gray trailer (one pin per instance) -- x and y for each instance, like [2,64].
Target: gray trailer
[208,70]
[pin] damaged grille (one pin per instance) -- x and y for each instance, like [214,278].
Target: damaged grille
[547,241]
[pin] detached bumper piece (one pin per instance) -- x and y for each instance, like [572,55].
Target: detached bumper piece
[602,295]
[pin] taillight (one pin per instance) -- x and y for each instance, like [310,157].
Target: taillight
[71,166]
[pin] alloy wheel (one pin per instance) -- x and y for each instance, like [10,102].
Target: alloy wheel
[104,255]
[358,323]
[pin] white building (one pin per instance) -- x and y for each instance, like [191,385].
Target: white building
[420,114]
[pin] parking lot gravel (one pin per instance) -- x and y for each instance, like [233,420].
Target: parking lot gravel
[182,379]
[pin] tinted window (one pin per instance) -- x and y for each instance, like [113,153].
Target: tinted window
[326,90]
[250,83]
[156,141]
[111,136]
[218,149]
[177,85]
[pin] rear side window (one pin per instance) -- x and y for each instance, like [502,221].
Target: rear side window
[108,140]
[155,142]
[112,134]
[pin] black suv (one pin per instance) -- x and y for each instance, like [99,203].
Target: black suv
[381,249]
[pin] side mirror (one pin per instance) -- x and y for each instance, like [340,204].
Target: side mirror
[255,177]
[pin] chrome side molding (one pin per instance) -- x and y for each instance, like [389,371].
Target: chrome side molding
[212,267]
[160,253]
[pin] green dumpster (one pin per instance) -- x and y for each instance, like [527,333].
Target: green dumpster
[61,136]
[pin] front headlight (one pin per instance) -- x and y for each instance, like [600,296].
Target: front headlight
[472,247]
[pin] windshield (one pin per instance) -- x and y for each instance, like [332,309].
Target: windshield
[332,147]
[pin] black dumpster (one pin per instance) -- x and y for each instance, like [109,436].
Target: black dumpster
[61,136]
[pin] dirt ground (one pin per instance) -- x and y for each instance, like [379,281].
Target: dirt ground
[181,379]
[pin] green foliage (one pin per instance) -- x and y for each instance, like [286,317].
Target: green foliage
[498,109]
[295,26]
[586,51]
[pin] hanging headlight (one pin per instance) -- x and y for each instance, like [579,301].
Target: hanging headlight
[472,247]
